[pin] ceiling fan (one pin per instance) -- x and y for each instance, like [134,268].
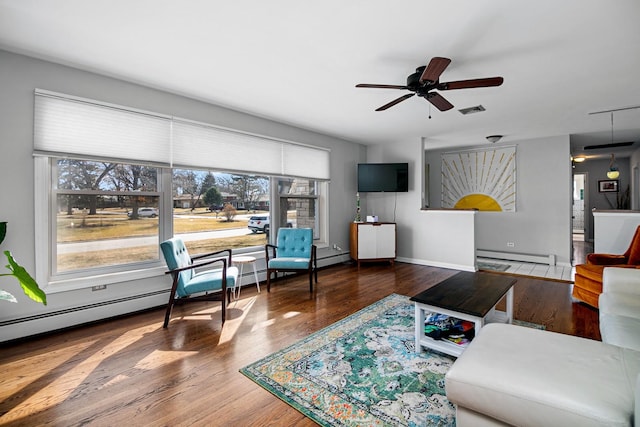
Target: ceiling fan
[427,78]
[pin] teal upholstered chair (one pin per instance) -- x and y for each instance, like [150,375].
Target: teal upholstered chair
[294,252]
[189,285]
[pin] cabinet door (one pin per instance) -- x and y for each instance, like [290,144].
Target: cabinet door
[386,240]
[367,241]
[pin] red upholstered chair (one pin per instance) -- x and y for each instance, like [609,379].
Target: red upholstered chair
[588,279]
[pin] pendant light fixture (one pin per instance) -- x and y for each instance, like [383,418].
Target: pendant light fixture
[613,172]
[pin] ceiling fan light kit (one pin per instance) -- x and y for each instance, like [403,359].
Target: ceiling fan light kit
[426,79]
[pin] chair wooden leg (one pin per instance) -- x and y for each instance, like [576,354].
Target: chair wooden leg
[268,280]
[167,316]
[172,298]
[224,309]
[311,280]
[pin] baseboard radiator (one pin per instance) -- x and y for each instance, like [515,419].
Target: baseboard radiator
[19,328]
[514,256]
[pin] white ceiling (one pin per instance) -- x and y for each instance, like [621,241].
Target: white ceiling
[298,62]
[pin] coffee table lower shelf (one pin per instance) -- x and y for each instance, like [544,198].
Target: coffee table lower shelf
[448,347]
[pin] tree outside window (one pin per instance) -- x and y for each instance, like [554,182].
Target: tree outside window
[102,215]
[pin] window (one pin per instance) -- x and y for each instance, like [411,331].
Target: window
[214,210]
[112,182]
[106,215]
[299,204]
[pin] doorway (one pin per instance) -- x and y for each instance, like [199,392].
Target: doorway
[579,222]
[579,193]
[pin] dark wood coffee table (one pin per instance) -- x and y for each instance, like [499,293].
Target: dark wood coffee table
[466,296]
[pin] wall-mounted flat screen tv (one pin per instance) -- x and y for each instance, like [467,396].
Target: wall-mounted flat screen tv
[376,177]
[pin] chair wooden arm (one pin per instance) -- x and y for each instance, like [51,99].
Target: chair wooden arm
[200,264]
[210,254]
[274,250]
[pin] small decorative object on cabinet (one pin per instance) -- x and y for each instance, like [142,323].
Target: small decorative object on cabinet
[373,241]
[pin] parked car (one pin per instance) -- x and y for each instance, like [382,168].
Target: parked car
[215,208]
[261,223]
[145,213]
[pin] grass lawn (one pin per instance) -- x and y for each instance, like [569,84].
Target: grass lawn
[114,224]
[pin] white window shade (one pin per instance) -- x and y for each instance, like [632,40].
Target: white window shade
[67,125]
[198,145]
[79,127]
[303,161]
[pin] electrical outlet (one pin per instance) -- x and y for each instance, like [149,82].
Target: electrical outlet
[511,245]
[336,247]
[99,288]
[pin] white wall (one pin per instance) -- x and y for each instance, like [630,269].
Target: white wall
[19,76]
[540,225]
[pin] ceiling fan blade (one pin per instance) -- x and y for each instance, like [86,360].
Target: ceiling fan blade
[381,86]
[395,101]
[436,66]
[467,84]
[439,101]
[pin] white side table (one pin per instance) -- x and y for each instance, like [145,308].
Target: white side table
[242,260]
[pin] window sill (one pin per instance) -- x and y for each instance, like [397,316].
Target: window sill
[66,285]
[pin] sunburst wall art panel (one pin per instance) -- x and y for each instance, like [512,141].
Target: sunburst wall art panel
[483,179]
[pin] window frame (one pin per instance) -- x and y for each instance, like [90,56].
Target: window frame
[45,195]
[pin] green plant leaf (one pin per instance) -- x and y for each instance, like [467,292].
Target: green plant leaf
[29,285]
[7,296]
[3,230]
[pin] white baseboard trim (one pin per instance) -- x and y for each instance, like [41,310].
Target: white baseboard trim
[462,267]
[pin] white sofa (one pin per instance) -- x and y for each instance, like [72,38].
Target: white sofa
[513,375]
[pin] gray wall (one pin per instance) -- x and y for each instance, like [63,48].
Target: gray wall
[542,221]
[19,76]
[540,225]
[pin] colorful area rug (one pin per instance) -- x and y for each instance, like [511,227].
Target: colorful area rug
[362,371]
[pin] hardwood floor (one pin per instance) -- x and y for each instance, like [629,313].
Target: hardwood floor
[131,371]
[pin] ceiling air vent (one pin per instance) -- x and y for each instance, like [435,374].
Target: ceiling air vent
[471,110]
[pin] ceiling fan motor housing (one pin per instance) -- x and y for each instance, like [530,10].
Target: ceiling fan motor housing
[415,85]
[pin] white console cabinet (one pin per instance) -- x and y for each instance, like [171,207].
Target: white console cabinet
[373,241]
